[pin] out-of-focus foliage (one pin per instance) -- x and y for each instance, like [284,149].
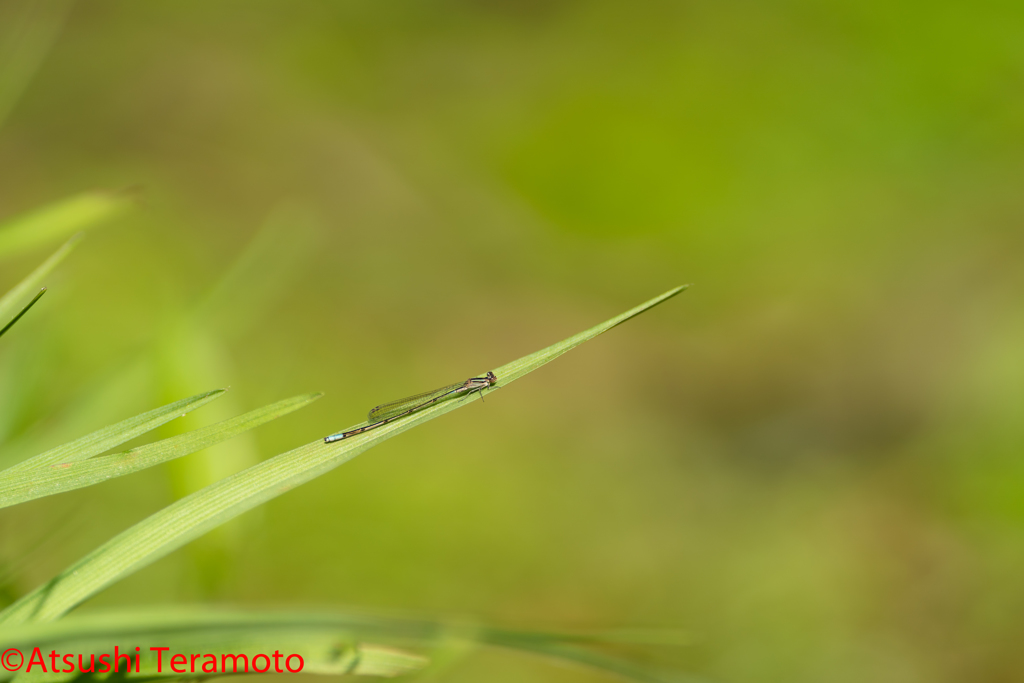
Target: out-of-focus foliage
[339,642]
[59,219]
[27,31]
[813,463]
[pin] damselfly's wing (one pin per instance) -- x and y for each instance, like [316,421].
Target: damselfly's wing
[386,410]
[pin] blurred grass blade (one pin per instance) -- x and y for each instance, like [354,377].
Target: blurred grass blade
[21,486]
[114,435]
[662,637]
[321,655]
[194,515]
[23,311]
[588,657]
[445,657]
[324,648]
[60,219]
[334,642]
[11,300]
[262,274]
[28,31]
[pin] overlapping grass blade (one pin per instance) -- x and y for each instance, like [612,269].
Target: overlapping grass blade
[10,303]
[21,486]
[23,311]
[114,435]
[330,642]
[61,218]
[194,515]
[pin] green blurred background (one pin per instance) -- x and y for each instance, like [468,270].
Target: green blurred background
[811,461]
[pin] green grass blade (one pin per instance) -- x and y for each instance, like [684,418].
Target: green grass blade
[60,219]
[27,31]
[114,435]
[588,657]
[22,486]
[312,634]
[10,303]
[516,369]
[23,311]
[194,515]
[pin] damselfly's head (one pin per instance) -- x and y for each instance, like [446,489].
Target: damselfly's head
[491,379]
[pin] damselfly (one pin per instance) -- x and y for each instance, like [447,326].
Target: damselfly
[388,412]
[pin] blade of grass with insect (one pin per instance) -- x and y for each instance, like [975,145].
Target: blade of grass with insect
[10,303]
[59,219]
[194,515]
[199,630]
[25,485]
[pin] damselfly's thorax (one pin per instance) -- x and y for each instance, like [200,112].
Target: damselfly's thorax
[477,383]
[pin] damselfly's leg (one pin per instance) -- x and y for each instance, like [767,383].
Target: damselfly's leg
[471,392]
